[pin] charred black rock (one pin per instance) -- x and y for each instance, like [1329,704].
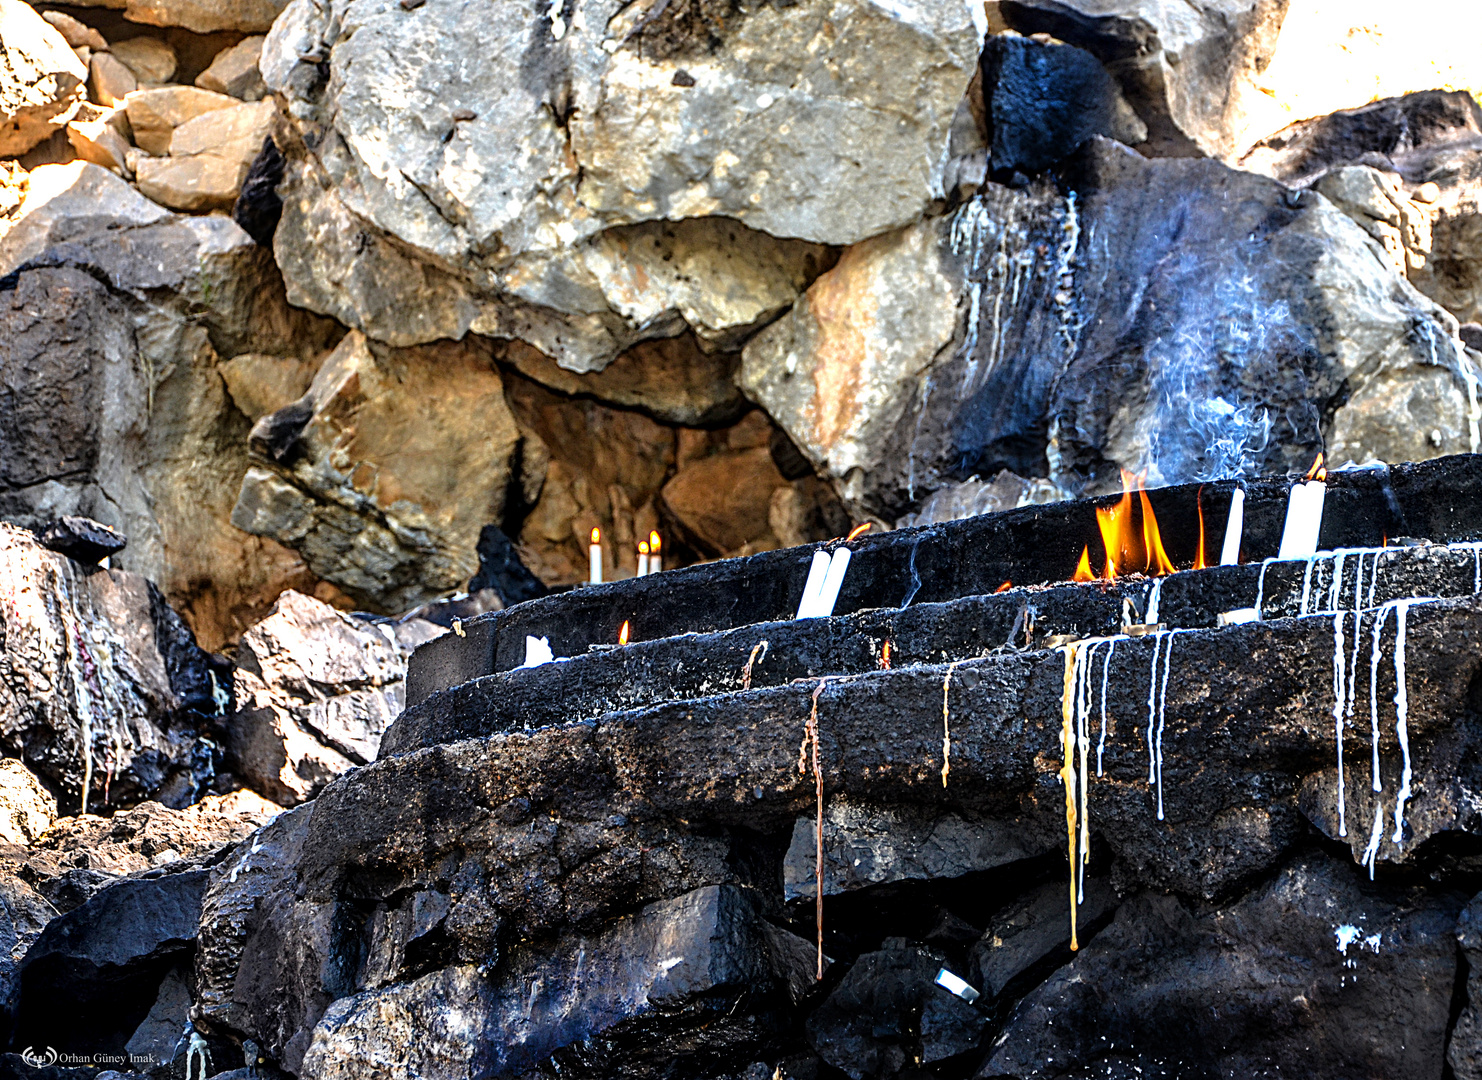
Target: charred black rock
[258,208]
[82,539]
[500,569]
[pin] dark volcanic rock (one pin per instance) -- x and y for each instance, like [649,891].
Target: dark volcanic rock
[24,913]
[1271,985]
[888,1011]
[82,540]
[92,976]
[1390,129]
[687,986]
[1035,928]
[1044,101]
[258,208]
[500,569]
[1464,1054]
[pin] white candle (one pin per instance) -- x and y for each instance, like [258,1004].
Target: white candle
[1303,520]
[814,585]
[655,560]
[833,581]
[1234,529]
[643,558]
[594,553]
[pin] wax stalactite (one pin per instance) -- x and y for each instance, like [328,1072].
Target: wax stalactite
[594,556]
[810,739]
[946,729]
[1068,777]
[758,653]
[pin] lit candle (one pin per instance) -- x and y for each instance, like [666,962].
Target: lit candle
[1304,508]
[1234,529]
[595,554]
[814,585]
[655,546]
[643,558]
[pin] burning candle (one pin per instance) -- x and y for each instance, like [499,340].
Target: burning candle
[594,553]
[643,558]
[814,585]
[1304,515]
[1234,529]
[655,546]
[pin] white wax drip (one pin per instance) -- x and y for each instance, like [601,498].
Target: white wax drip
[1162,706]
[1105,672]
[1152,708]
[1339,678]
[1402,727]
[1376,837]
[1377,783]
[1261,585]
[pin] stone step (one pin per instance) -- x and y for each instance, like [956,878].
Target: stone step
[610,678]
[1216,746]
[1440,500]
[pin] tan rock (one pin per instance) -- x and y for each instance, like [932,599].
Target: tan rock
[261,384]
[84,54]
[723,502]
[205,16]
[26,808]
[155,113]
[671,379]
[395,461]
[234,71]
[109,79]
[75,33]
[41,79]
[97,139]
[14,180]
[1374,200]
[209,158]
[152,61]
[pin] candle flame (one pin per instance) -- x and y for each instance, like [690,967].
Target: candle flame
[1005,587]
[885,656]
[643,547]
[1083,568]
[858,530]
[1131,546]
[1200,562]
[623,633]
[654,543]
[1317,472]
[596,536]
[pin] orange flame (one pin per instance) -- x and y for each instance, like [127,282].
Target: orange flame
[885,656]
[655,545]
[1317,472]
[858,530]
[1005,587]
[1200,562]
[1131,547]
[643,547]
[596,536]
[1083,568]
[623,633]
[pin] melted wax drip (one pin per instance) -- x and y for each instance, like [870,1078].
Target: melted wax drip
[1067,775]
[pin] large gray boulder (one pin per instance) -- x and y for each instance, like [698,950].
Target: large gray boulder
[102,689]
[115,317]
[1176,316]
[428,198]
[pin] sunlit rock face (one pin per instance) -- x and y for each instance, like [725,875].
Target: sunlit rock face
[1178,317]
[440,190]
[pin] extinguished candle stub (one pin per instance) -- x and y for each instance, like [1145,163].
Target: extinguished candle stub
[954,985]
[813,587]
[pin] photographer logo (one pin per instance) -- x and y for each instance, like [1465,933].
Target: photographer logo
[39,1059]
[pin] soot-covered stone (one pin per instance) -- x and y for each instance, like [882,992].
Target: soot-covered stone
[258,207]
[1316,974]
[82,539]
[500,569]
